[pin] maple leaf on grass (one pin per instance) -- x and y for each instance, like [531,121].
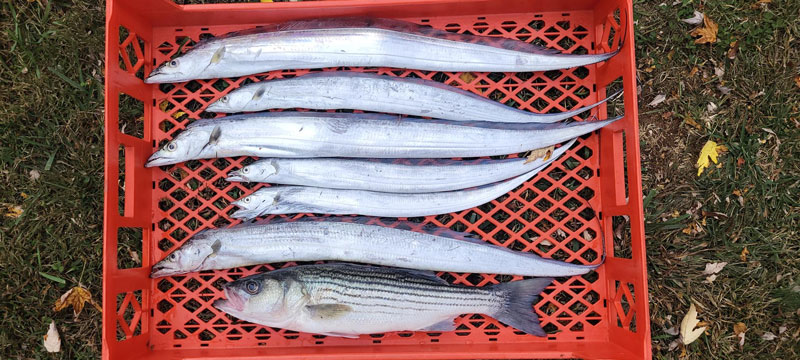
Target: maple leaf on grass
[76,297]
[708,33]
[709,153]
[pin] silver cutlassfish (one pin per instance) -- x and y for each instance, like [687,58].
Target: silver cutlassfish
[337,42]
[379,93]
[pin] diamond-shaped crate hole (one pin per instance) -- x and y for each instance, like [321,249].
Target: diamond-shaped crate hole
[624,302]
[131,53]
[129,314]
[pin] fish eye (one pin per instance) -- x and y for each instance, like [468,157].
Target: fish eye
[171,147]
[246,200]
[252,287]
[245,170]
[172,257]
[224,99]
[173,63]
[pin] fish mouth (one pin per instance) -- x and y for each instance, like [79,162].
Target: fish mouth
[161,270]
[215,107]
[235,175]
[158,160]
[232,302]
[244,214]
[159,77]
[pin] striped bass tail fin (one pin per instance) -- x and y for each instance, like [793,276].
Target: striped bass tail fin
[519,297]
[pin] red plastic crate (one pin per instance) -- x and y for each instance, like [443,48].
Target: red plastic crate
[602,315]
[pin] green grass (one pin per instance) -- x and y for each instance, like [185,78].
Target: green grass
[51,121]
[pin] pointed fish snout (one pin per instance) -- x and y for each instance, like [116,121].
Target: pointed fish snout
[235,175]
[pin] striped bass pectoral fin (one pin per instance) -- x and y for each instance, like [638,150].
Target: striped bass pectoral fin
[328,311]
[516,308]
[446,325]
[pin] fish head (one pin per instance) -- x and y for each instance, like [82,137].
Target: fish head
[259,296]
[259,171]
[191,65]
[237,101]
[257,203]
[188,145]
[187,258]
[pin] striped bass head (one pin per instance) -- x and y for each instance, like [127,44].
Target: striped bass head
[197,141]
[189,257]
[259,171]
[263,298]
[193,64]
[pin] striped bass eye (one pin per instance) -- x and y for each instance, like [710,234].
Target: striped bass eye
[245,170]
[252,287]
[246,200]
[224,99]
[173,63]
[171,147]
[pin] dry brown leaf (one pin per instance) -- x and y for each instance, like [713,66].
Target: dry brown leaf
[693,71]
[768,336]
[744,254]
[733,49]
[691,122]
[134,256]
[34,174]
[760,4]
[797,80]
[739,162]
[543,153]
[76,297]
[739,329]
[713,268]
[467,77]
[688,331]
[52,342]
[707,33]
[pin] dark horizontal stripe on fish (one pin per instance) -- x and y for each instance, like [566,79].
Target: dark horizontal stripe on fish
[373,289]
[346,281]
[390,305]
[396,277]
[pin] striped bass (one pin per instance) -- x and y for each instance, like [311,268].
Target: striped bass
[411,176]
[287,199]
[321,134]
[335,42]
[337,240]
[378,93]
[348,300]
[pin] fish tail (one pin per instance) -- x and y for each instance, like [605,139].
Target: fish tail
[518,298]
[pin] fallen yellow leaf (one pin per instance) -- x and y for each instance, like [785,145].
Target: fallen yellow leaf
[693,71]
[467,77]
[24,195]
[688,333]
[543,153]
[743,255]
[709,153]
[797,80]
[736,192]
[707,33]
[76,297]
[13,211]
